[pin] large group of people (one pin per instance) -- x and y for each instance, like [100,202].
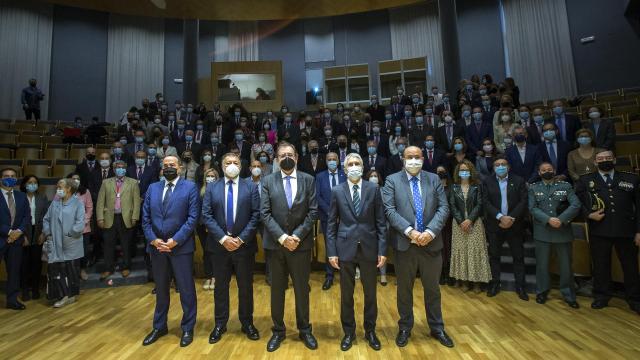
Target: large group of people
[442,179]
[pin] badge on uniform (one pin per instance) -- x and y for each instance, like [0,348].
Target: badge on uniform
[625,185]
[560,193]
[597,203]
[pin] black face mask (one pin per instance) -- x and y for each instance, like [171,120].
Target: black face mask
[313,150]
[547,175]
[520,138]
[187,159]
[170,173]
[606,166]
[287,164]
[90,157]
[342,144]
[442,175]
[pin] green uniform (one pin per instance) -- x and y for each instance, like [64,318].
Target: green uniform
[556,199]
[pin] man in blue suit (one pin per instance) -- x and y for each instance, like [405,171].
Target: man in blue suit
[555,151]
[145,174]
[325,181]
[15,216]
[523,157]
[231,210]
[477,131]
[170,213]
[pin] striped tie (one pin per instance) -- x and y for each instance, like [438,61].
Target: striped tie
[356,199]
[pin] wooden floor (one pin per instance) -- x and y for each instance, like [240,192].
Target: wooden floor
[111,323]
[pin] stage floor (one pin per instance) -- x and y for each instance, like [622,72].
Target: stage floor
[111,323]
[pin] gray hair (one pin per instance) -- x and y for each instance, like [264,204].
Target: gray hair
[71,184]
[119,162]
[518,127]
[352,155]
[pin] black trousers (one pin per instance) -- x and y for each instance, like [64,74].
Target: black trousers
[201,229]
[12,256]
[31,268]
[29,112]
[627,253]
[368,274]
[111,236]
[515,239]
[297,264]
[407,264]
[224,265]
[63,279]
[328,269]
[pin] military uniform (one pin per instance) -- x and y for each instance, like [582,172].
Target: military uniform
[619,194]
[555,199]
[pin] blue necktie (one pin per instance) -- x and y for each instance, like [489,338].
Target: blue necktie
[417,202]
[333,180]
[288,192]
[356,199]
[552,156]
[167,196]
[229,206]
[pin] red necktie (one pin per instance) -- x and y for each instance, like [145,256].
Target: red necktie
[430,157]
[139,172]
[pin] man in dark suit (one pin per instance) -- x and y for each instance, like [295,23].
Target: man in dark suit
[201,135]
[144,174]
[170,213]
[137,145]
[603,129]
[555,151]
[396,162]
[534,128]
[477,131]
[15,217]
[611,205]
[416,207]
[381,139]
[375,110]
[242,144]
[446,133]
[325,181]
[87,168]
[189,144]
[505,207]
[231,211]
[433,157]
[178,134]
[419,130]
[217,148]
[356,236]
[153,160]
[289,131]
[289,211]
[567,124]
[313,162]
[118,153]
[523,157]
[100,174]
[374,161]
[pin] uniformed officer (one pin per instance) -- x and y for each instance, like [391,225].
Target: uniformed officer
[553,205]
[611,202]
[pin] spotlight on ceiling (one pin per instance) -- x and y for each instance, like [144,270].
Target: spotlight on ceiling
[160,4]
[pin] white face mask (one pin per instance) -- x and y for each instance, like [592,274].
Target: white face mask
[210,179]
[232,171]
[506,118]
[373,179]
[105,163]
[354,172]
[256,171]
[413,166]
[61,193]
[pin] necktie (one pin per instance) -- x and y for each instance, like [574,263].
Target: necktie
[371,162]
[199,136]
[229,206]
[478,127]
[449,133]
[104,174]
[189,146]
[12,206]
[139,172]
[552,155]
[118,206]
[167,196]
[430,157]
[609,181]
[356,199]
[91,166]
[417,202]
[288,192]
[377,139]
[333,179]
[562,129]
[138,147]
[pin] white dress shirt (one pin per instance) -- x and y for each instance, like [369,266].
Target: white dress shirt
[174,182]
[523,151]
[32,205]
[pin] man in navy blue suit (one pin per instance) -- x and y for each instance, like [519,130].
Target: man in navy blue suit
[523,157]
[231,211]
[567,124]
[15,216]
[554,151]
[477,131]
[145,174]
[170,213]
[325,181]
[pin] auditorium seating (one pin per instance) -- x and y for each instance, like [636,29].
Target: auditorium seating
[39,168]
[63,167]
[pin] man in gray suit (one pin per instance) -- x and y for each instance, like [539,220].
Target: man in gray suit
[416,207]
[356,235]
[289,211]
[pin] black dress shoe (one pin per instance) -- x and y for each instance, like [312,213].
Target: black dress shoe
[572,303]
[154,335]
[186,339]
[373,340]
[541,298]
[216,334]
[309,341]
[328,282]
[402,339]
[599,304]
[451,281]
[274,342]
[347,342]
[16,306]
[251,331]
[443,338]
[25,295]
[153,292]
[522,294]
[493,290]
[36,295]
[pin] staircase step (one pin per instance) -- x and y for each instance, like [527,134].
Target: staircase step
[529,249]
[508,282]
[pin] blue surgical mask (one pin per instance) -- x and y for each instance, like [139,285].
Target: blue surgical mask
[61,193]
[120,172]
[165,141]
[501,170]
[429,144]
[419,120]
[214,140]
[332,165]
[32,188]
[123,142]
[398,129]
[584,140]
[457,147]
[538,119]
[407,113]
[188,138]
[429,111]
[139,139]
[117,151]
[199,127]
[549,135]
[400,147]
[263,159]
[140,162]
[181,127]
[558,110]
[466,113]
[9,182]
[477,116]
[524,115]
[483,91]
[486,102]
[152,151]
[371,150]
[239,137]
[464,174]
[387,116]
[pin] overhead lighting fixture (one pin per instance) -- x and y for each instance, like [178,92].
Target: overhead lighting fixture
[160,4]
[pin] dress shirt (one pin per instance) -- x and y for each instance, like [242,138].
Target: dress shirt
[235,201]
[408,230]
[294,191]
[504,207]
[174,182]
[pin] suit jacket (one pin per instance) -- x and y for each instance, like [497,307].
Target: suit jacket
[474,138]
[205,137]
[379,165]
[417,135]
[149,176]
[22,220]
[245,152]
[516,202]
[95,182]
[131,150]
[394,164]
[442,142]
[439,159]
[307,166]
[533,134]
[245,222]
[400,209]
[177,136]
[383,145]
[278,219]
[562,153]
[85,173]
[323,191]
[527,169]
[177,222]
[42,205]
[571,124]
[346,229]
[129,202]
[606,135]
[196,149]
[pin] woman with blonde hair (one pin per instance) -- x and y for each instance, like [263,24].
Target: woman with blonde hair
[210,176]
